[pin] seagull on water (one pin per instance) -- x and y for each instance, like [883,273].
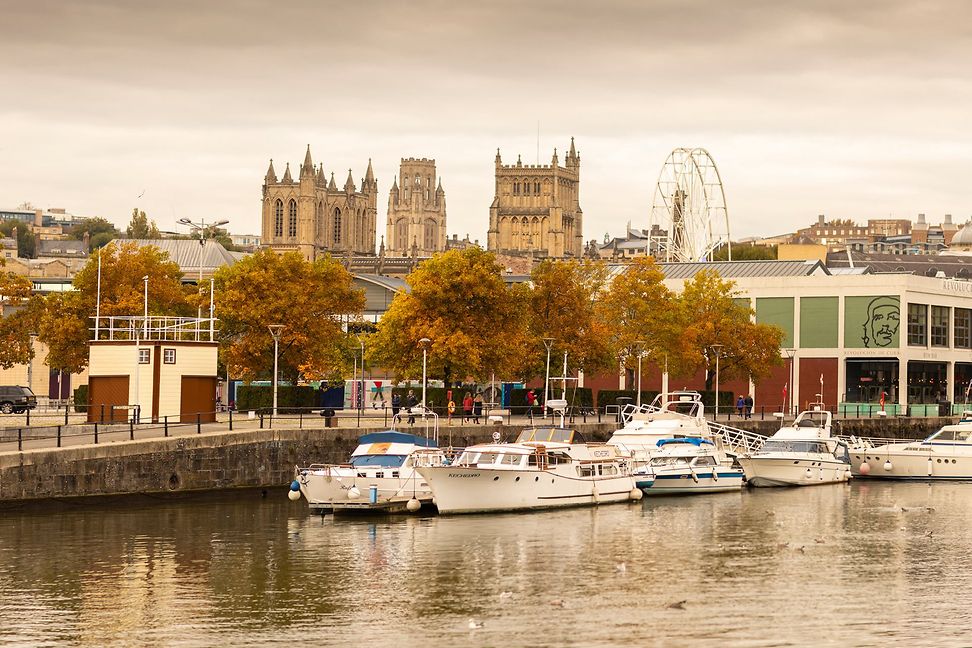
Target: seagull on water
[475,625]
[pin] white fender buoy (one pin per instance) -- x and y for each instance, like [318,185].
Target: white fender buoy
[354,493]
[865,468]
[695,477]
[293,495]
[413,505]
[597,496]
[636,494]
[715,475]
[888,465]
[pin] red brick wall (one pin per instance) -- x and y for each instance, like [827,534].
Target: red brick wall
[810,370]
[769,391]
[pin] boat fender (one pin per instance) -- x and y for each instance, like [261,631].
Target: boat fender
[695,477]
[888,465]
[715,474]
[636,494]
[865,468]
[295,485]
[413,505]
[294,493]
[354,493]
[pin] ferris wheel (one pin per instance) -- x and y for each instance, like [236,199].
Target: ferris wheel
[689,208]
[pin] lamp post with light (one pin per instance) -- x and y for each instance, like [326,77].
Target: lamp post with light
[718,349]
[206,231]
[547,342]
[425,347]
[639,346]
[275,330]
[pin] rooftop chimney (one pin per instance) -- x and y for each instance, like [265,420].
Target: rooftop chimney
[948,219]
[820,219]
[921,218]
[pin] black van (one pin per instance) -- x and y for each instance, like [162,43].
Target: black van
[16,399]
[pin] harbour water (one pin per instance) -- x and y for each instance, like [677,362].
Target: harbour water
[863,564]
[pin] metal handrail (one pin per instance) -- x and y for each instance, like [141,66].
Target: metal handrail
[737,439]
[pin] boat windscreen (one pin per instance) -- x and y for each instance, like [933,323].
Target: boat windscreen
[382,461]
[560,435]
[783,445]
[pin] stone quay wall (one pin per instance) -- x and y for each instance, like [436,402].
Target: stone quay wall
[266,458]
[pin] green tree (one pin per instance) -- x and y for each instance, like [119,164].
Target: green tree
[99,230]
[710,316]
[562,306]
[476,323]
[16,319]
[26,242]
[311,300]
[67,317]
[141,228]
[746,252]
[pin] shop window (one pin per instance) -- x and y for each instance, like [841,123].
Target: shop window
[963,327]
[917,324]
[169,356]
[939,326]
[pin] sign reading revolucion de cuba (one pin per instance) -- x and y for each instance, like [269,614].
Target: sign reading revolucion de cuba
[872,322]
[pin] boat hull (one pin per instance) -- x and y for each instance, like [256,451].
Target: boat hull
[682,483]
[458,489]
[780,471]
[919,462]
[331,490]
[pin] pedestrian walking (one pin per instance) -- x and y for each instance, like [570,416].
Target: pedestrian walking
[531,399]
[451,409]
[396,403]
[740,404]
[467,407]
[477,407]
[749,406]
[410,402]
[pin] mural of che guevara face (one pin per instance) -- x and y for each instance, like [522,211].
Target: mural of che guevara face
[883,317]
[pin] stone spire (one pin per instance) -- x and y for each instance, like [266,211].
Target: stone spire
[395,184]
[369,178]
[307,168]
[440,190]
[349,183]
[271,176]
[332,186]
[321,178]
[286,176]
[499,160]
[553,160]
[573,151]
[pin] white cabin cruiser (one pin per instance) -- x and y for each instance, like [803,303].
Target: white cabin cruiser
[687,465]
[802,454]
[670,415]
[945,455]
[381,476]
[544,468]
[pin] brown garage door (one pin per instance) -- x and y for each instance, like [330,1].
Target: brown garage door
[104,393]
[198,397]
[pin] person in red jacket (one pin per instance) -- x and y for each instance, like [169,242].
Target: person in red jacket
[467,406]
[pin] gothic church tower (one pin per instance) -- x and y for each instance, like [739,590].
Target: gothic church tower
[416,211]
[536,208]
[313,216]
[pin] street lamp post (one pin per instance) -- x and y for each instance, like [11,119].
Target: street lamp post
[718,350]
[275,330]
[202,228]
[30,365]
[547,342]
[425,346]
[361,391]
[789,392]
[639,345]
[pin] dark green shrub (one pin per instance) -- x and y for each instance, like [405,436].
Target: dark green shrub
[609,396]
[81,399]
[289,397]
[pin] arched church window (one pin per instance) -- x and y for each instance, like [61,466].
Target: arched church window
[337,226]
[278,218]
[292,225]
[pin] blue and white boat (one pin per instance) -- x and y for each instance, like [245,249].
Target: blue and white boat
[687,465]
[381,476]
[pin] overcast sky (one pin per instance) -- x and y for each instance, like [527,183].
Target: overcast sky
[852,109]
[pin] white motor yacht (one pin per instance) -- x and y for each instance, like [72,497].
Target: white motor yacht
[945,455]
[381,476]
[544,468]
[670,415]
[687,465]
[802,454]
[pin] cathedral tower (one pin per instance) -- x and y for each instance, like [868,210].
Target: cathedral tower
[536,208]
[416,210]
[314,216]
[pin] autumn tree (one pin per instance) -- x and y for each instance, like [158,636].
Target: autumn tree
[100,232]
[16,319]
[639,311]
[312,300]
[711,316]
[141,228]
[26,242]
[476,323]
[563,306]
[65,325]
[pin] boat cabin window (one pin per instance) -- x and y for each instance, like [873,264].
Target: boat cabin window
[586,470]
[560,435]
[812,420]
[468,459]
[512,459]
[487,458]
[706,460]
[608,469]
[383,461]
[783,445]
[962,436]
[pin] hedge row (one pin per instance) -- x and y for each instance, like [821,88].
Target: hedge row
[254,397]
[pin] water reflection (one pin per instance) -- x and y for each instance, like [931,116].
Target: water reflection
[859,564]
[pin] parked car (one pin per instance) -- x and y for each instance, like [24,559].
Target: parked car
[17,400]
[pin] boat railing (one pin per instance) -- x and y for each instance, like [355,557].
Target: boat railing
[865,443]
[736,439]
[435,456]
[630,410]
[409,415]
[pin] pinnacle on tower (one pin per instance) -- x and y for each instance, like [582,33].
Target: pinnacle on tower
[286,176]
[369,174]
[553,160]
[395,184]
[321,178]
[519,161]
[307,168]
[573,151]
[499,160]
[271,176]
[349,183]
[440,190]
[332,186]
